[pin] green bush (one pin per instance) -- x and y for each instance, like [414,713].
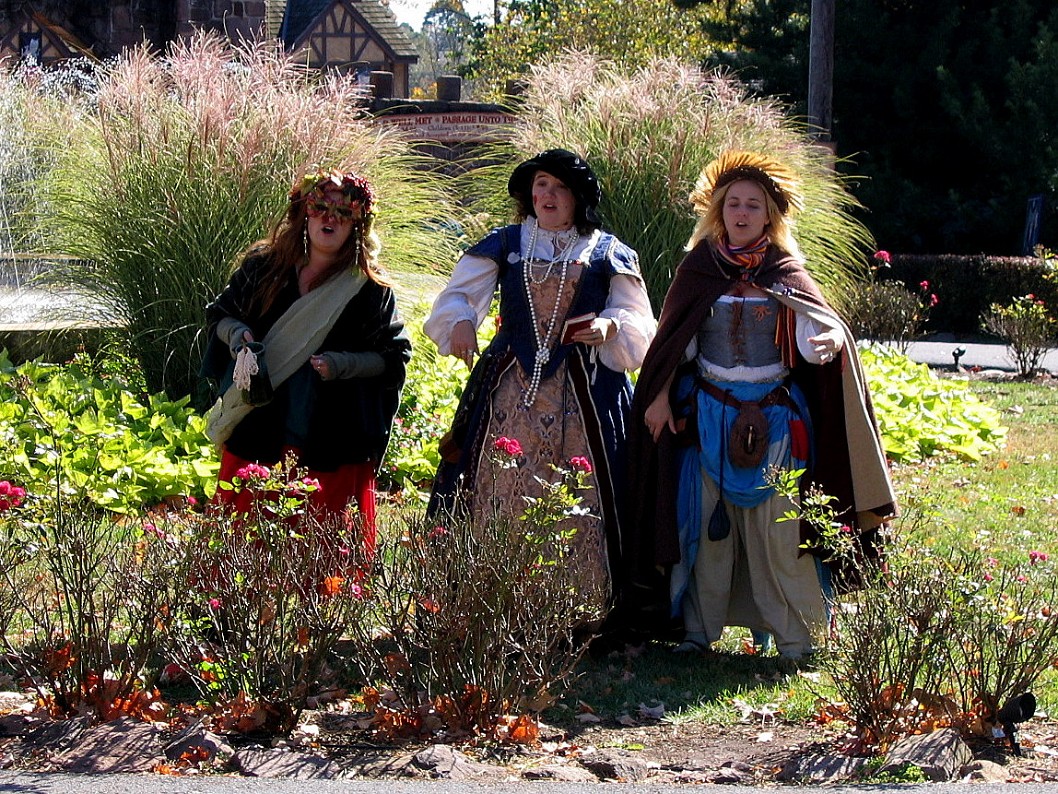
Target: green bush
[968,285]
[886,311]
[427,406]
[921,415]
[91,433]
[1027,328]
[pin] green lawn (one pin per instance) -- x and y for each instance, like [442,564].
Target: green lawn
[1006,504]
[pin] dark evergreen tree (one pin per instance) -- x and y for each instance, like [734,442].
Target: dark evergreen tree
[946,108]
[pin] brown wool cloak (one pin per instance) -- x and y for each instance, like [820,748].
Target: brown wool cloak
[849,459]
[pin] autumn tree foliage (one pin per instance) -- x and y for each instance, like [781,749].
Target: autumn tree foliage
[629,32]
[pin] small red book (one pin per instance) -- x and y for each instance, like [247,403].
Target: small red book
[575,324]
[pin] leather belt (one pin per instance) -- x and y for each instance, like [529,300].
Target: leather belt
[780,395]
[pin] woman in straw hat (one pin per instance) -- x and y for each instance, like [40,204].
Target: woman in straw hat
[751,372]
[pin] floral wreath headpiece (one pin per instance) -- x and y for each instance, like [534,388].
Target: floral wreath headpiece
[777,180]
[316,183]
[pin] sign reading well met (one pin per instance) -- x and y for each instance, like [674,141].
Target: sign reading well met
[454,127]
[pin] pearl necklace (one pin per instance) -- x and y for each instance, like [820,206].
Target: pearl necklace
[543,350]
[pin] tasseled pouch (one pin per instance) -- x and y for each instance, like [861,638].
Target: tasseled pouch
[719,523]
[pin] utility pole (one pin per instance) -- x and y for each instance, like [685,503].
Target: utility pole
[821,72]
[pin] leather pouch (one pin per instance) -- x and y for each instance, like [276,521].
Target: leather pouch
[747,441]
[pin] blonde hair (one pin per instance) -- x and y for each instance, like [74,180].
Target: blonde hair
[710,224]
[778,183]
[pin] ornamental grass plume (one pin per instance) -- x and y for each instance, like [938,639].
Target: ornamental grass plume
[648,133]
[17,171]
[172,166]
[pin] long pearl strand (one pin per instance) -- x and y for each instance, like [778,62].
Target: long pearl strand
[543,350]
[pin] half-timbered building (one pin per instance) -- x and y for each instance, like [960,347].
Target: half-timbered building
[350,36]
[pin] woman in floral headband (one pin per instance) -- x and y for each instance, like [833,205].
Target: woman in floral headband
[313,305]
[751,372]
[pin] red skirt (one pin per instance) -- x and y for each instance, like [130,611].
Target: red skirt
[351,482]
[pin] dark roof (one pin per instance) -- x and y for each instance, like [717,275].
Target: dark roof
[300,14]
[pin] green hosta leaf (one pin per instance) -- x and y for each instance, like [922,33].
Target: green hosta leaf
[131,408]
[89,423]
[99,438]
[920,415]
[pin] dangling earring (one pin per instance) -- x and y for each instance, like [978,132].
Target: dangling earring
[305,236]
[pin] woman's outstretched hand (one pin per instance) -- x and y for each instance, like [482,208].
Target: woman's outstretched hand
[826,345]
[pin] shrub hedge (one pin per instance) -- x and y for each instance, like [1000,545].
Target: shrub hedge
[967,285]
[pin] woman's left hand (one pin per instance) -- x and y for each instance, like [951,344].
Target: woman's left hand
[600,330]
[826,345]
[322,365]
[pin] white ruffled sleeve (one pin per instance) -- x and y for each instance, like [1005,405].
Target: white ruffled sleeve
[467,296]
[808,327]
[629,306]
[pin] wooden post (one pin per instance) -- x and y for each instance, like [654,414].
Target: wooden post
[821,71]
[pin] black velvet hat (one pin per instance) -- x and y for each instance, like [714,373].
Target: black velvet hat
[574,172]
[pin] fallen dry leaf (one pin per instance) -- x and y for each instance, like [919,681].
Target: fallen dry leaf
[652,712]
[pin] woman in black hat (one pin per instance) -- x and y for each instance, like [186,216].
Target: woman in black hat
[574,318]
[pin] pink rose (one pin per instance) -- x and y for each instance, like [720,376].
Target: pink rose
[253,471]
[923,285]
[883,256]
[511,446]
[580,463]
[10,495]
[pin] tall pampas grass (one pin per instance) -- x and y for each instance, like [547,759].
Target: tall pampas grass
[172,166]
[648,133]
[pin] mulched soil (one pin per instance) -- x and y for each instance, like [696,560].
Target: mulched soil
[697,753]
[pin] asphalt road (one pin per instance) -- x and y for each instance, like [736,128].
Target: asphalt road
[138,784]
[937,352]
[157,784]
